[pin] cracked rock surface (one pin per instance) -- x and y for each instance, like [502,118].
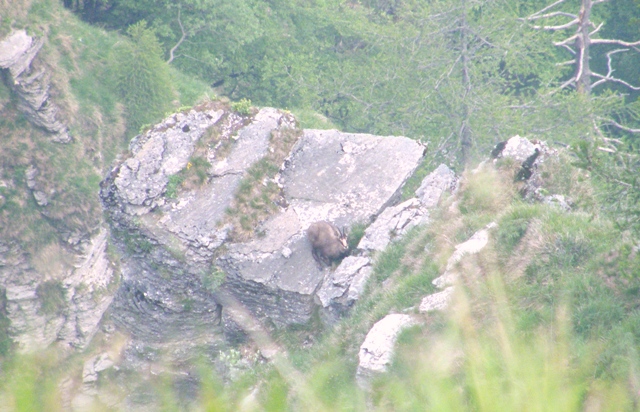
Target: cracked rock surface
[31,83]
[172,248]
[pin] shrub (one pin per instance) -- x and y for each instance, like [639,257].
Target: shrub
[141,77]
[243,107]
[214,279]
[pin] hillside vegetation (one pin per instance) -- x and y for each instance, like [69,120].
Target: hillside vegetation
[547,316]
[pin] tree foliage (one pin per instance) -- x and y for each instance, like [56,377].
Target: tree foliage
[459,74]
[141,77]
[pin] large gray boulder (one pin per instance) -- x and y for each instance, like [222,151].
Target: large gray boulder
[173,247]
[346,178]
[340,177]
[168,244]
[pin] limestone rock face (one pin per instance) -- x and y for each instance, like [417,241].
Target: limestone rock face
[343,287]
[441,180]
[339,177]
[168,244]
[67,309]
[31,83]
[174,247]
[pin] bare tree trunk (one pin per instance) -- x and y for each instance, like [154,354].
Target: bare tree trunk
[583,43]
[465,131]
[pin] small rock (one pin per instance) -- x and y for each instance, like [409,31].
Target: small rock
[435,184]
[30,176]
[336,283]
[475,244]
[393,222]
[376,352]
[519,148]
[358,284]
[41,198]
[103,362]
[557,201]
[436,301]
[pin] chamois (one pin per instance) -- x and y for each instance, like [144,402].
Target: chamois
[328,243]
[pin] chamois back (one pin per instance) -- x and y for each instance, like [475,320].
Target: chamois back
[328,243]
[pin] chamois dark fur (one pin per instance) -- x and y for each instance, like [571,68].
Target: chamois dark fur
[328,243]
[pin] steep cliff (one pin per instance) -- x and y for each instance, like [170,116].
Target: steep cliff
[56,277]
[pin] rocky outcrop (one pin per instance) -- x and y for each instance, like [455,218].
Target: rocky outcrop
[531,155]
[168,243]
[376,352]
[475,244]
[338,177]
[393,223]
[30,83]
[180,264]
[64,305]
[438,182]
[343,287]
[437,301]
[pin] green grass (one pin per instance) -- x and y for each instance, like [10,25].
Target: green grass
[52,297]
[513,226]
[309,119]
[6,342]
[173,185]
[258,196]
[356,233]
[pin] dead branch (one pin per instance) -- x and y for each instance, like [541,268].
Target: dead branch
[597,29]
[614,41]
[610,122]
[610,70]
[548,7]
[556,28]
[553,14]
[612,140]
[184,35]
[566,41]
[606,149]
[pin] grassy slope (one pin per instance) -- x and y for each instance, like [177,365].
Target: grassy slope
[545,317]
[77,58]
